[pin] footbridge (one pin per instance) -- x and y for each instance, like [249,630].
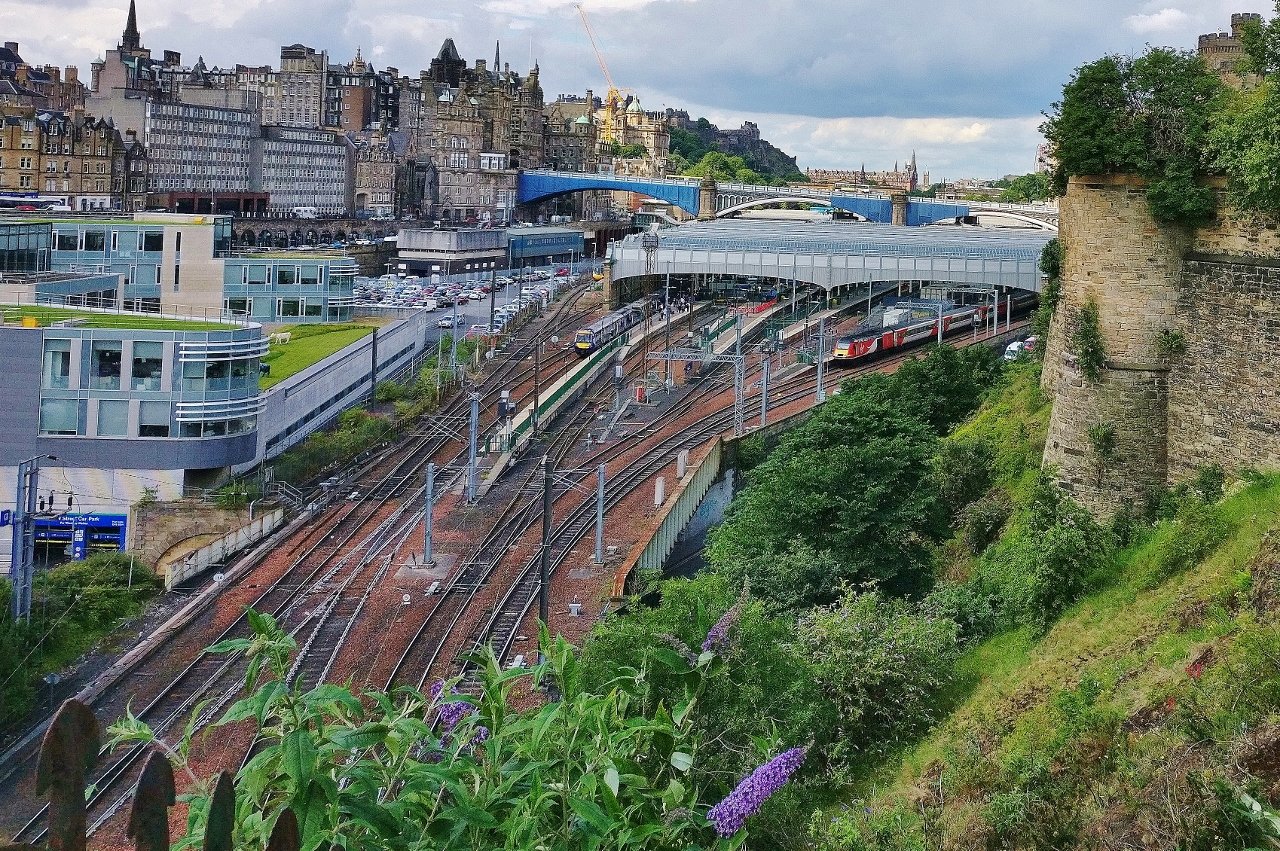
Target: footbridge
[840,257]
[708,199]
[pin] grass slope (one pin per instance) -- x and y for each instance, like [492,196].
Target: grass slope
[1136,721]
[308,345]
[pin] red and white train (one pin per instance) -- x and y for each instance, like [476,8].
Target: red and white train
[897,327]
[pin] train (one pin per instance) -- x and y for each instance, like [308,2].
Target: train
[608,328]
[895,327]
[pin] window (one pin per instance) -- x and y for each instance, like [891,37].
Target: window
[177,274]
[238,305]
[104,365]
[193,375]
[153,419]
[148,363]
[287,307]
[95,240]
[113,418]
[57,365]
[59,416]
[286,276]
[115,240]
[310,276]
[24,162]
[65,241]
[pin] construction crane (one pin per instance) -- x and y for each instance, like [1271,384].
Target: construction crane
[613,100]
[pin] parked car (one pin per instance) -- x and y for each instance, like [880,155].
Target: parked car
[449,321]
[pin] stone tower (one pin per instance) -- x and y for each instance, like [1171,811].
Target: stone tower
[1119,259]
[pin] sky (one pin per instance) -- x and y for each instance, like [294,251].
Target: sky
[837,83]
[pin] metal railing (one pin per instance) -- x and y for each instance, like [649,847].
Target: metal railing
[69,750]
[212,315]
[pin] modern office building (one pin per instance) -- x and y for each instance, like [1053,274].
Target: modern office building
[427,252]
[300,167]
[184,265]
[121,407]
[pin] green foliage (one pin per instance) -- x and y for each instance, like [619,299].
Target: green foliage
[981,522]
[847,482]
[724,168]
[389,390]
[585,770]
[628,152]
[1037,186]
[1086,342]
[237,493]
[74,606]
[1102,440]
[963,471]
[766,693]
[1194,532]
[1029,576]
[880,663]
[1152,116]
[1170,342]
[1051,257]
[1261,43]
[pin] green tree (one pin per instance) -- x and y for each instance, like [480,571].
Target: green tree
[1028,187]
[1091,129]
[852,481]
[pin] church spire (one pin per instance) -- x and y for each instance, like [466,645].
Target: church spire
[131,40]
[497,57]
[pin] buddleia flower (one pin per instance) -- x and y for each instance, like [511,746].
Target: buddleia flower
[745,800]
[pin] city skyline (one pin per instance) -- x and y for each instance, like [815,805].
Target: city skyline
[892,81]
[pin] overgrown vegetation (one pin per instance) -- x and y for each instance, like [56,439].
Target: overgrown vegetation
[73,606]
[1086,343]
[1153,116]
[585,769]
[359,430]
[1051,260]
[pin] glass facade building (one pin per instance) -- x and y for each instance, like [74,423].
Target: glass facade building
[24,247]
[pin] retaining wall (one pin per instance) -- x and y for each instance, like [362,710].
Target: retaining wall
[220,550]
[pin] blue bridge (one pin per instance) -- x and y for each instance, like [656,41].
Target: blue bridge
[706,199]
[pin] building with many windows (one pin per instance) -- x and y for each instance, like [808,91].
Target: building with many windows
[81,161]
[184,265]
[300,167]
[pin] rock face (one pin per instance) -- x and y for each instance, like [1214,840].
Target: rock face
[1190,321]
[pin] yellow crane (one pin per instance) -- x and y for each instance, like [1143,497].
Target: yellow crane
[613,99]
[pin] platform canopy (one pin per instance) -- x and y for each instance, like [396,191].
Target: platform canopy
[835,253]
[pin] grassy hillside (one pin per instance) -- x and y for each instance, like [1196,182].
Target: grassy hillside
[1143,716]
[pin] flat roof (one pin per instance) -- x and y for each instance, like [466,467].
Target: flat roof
[45,316]
[308,345]
[844,237]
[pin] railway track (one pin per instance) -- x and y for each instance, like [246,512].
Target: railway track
[321,564]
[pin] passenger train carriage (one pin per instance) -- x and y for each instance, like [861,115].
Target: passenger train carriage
[896,327]
[608,328]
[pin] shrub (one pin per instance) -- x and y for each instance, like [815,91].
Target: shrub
[1195,531]
[389,391]
[983,520]
[1086,341]
[880,663]
[964,471]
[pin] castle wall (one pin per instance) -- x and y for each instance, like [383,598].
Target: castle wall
[1119,258]
[1217,401]
[1224,389]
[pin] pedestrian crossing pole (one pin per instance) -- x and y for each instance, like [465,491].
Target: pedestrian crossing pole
[427,559]
[600,515]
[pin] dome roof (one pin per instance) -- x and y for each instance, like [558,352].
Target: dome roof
[582,119]
[635,106]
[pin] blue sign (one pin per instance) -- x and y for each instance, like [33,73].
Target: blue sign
[6,517]
[82,532]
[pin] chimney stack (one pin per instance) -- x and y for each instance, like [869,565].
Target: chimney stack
[11,45]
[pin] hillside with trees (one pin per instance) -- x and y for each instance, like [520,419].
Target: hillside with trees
[702,148]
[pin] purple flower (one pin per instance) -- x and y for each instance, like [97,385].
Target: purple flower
[718,636]
[482,734]
[449,715]
[729,815]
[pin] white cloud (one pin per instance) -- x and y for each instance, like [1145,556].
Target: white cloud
[1161,21]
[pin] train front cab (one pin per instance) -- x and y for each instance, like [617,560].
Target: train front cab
[584,343]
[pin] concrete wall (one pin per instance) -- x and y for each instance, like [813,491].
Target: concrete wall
[217,552]
[306,401]
[1216,402]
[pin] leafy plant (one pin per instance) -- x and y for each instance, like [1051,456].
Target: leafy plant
[1170,342]
[1086,342]
[579,770]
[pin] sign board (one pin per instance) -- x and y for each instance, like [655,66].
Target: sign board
[6,517]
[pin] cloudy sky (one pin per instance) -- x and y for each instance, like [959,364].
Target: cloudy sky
[838,83]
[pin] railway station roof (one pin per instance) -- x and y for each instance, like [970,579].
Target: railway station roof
[832,253]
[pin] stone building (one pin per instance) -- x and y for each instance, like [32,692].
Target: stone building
[627,124]
[47,87]
[1190,326]
[1222,51]
[80,160]
[376,172]
[470,129]
[301,95]
[571,141]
